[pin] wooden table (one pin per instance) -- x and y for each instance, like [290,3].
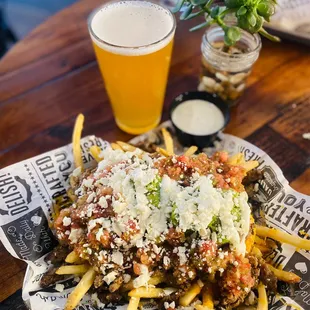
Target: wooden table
[52,75]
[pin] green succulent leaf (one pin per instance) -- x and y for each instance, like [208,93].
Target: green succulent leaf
[178,6]
[215,11]
[242,10]
[186,12]
[231,4]
[202,25]
[193,15]
[198,2]
[232,35]
[251,19]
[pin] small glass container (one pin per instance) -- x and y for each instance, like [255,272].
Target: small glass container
[225,69]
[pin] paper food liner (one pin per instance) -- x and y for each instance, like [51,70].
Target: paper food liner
[28,189]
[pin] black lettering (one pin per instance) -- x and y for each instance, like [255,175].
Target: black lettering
[275,210]
[279,260]
[281,196]
[60,157]
[6,181]
[300,205]
[43,160]
[47,167]
[6,190]
[290,200]
[278,218]
[57,194]
[47,174]
[15,204]
[304,228]
[52,180]
[16,198]
[64,166]
[19,210]
[289,218]
[297,221]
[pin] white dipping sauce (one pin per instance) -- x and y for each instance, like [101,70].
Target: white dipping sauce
[198,117]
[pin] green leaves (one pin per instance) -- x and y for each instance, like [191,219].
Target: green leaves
[232,35]
[250,14]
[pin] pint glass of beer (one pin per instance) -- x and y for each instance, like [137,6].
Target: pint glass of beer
[133,44]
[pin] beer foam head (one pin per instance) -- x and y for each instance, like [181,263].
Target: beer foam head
[132,27]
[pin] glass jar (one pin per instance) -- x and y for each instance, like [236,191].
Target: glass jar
[225,69]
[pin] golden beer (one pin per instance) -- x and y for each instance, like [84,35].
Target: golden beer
[133,44]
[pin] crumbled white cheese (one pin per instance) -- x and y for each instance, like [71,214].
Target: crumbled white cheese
[59,287]
[110,277]
[118,258]
[143,279]
[75,234]
[66,221]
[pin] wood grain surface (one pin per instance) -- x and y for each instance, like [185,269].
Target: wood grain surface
[51,76]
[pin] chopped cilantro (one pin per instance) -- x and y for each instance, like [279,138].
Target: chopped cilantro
[153,191]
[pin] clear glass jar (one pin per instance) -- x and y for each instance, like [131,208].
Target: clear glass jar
[225,69]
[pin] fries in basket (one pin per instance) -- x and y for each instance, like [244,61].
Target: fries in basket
[176,229]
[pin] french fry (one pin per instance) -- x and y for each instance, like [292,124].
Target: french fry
[126,147]
[80,290]
[207,296]
[162,151]
[156,279]
[76,141]
[236,159]
[249,165]
[285,276]
[168,141]
[190,151]
[95,152]
[72,269]
[133,303]
[282,237]
[147,292]
[257,252]
[116,146]
[260,241]
[189,296]
[262,297]
[73,258]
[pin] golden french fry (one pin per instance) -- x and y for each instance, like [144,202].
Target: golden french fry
[115,146]
[190,151]
[249,165]
[73,258]
[250,239]
[80,290]
[207,296]
[168,141]
[257,252]
[76,141]
[156,279]
[236,159]
[262,297]
[162,151]
[133,303]
[260,241]
[95,152]
[189,296]
[72,269]
[147,292]
[282,237]
[285,276]
[126,147]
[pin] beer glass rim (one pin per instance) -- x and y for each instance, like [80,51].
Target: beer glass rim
[95,11]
